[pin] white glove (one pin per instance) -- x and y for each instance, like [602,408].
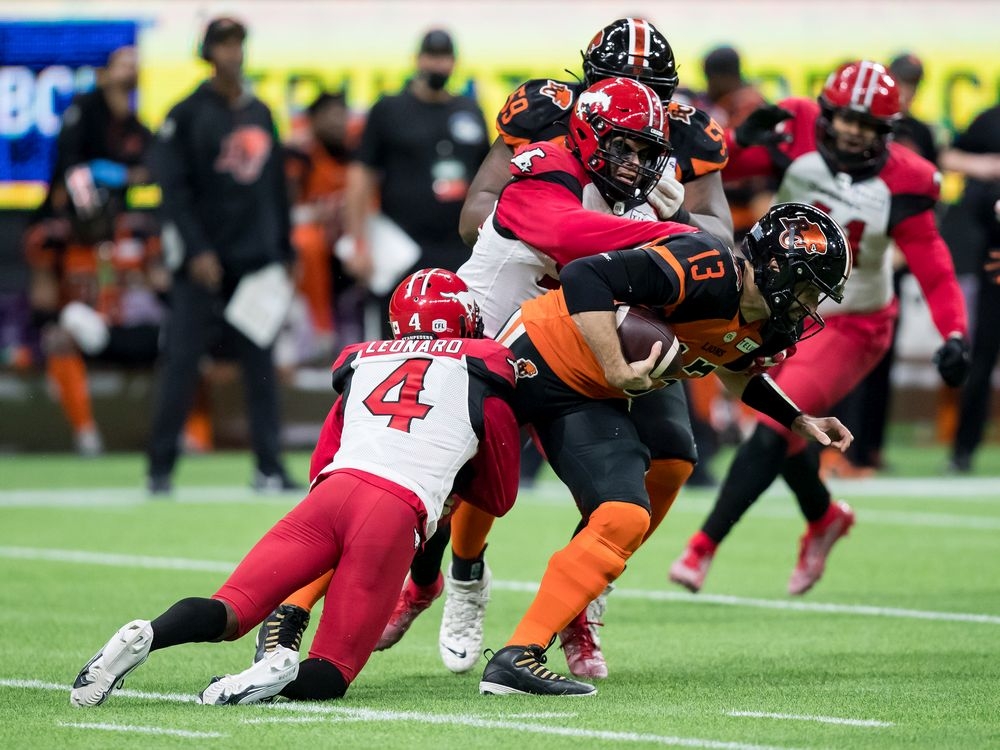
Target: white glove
[667,197]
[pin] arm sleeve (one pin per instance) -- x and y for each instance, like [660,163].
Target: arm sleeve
[539,211]
[329,440]
[930,261]
[172,167]
[632,276]
[496,466]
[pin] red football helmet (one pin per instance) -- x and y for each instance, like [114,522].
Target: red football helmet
[434,303]
[605,117]
[863,90]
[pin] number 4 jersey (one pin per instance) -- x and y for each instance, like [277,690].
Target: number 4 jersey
[429,415]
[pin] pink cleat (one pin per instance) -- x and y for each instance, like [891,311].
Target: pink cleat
[815,546]
[690,569]
[412,601]
[580,643]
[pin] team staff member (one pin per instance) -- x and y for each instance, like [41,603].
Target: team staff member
[385,464]
[837,154]
[725,309]
[225,209]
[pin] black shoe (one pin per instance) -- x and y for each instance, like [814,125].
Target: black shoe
[520,670]
[159,485]
[283,627]
[267,484]
[960,463]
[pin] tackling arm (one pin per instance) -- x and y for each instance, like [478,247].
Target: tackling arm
[493,174]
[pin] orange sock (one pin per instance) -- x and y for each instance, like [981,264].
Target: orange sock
[315,284]
[469,529]
[198,434]
[581,570]
[664,480]
[307,596]
[69,374]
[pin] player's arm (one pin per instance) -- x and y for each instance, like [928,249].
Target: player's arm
[761,393]
[706,207]
[493,174]
[328,442]
[496,467]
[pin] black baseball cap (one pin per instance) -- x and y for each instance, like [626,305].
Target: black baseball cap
[219,30]
[907,68]
[722,61]
[437,42]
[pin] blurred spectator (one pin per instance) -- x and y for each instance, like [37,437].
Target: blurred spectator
[976,154]
[419,151]
[226,216]
[96,270]
[910,131]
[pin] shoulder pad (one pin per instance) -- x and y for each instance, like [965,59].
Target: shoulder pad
[536,111]
[698,141]
[907,172]
[544,156]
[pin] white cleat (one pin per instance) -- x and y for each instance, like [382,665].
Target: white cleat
[256,684]
[127,649]
[460,641]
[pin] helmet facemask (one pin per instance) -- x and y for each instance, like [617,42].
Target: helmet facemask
[615,154]
[858,164]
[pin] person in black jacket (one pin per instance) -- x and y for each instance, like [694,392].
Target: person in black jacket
[217,158]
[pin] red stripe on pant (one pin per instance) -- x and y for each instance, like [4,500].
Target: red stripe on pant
[363,532]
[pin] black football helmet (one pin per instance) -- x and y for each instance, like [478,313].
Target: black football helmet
[632,48]
[791,245]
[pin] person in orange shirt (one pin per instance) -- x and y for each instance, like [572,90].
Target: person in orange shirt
[726,308]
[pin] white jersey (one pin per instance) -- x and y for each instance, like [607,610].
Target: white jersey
[864,204]
[424,400]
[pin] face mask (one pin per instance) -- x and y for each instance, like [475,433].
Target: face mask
[435,81]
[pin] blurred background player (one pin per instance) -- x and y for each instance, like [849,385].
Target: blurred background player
[417,155]
[225,209]
[725,309]
[837,154]
[381,474]
[97,274]
[976,155]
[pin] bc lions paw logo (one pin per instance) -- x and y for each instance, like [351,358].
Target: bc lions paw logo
[244,153]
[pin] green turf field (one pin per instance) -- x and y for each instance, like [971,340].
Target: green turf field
[897,647]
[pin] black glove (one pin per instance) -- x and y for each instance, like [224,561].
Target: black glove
[758,128]
[953,361]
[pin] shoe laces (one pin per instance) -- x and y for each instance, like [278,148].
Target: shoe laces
[463,608]
[285,627]
[533,659]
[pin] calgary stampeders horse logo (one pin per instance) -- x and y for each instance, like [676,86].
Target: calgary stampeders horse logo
[803,234]
[244,152]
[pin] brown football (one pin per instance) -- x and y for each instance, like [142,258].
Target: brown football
[638,329]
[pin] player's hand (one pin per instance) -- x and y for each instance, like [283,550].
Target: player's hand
[763,364]
[992,265]
[759,127]
[667,197]
[827,431]
[953,360]
[634,377]
[205,269]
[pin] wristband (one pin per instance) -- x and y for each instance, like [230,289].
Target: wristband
[764,395]
[683,216]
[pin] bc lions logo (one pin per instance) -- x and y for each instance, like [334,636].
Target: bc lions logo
[523,159]
[803,234]
[244,153]
[526,369]
[559,93]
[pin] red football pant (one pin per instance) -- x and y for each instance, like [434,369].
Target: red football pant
[366,534]
[830,365]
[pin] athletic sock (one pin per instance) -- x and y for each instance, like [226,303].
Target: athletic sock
[68,373]
[307,596]
[801,473]
[664,480]
[426,565]
[191,620]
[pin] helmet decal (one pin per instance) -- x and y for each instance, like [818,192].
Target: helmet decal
[434,303]
[632,48]
[802,234]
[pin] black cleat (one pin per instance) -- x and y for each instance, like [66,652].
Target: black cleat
[283,627]
[520,670]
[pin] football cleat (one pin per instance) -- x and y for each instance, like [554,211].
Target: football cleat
[127,649]
[257,684]
[413,600]
[520,670]
[460,640]
[283,627]
[690,569]
[580,643]
[815,545]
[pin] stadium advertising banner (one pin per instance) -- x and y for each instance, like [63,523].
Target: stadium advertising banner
[49,48]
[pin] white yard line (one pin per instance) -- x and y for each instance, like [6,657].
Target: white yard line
[214,566]
[141,730]
[820,719]
[361,714]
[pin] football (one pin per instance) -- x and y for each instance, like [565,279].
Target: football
[638,329]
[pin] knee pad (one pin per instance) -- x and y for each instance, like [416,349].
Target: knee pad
[622,524]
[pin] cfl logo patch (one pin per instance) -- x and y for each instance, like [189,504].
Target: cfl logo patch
[439,325]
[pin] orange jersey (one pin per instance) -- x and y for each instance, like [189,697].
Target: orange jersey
[699,294]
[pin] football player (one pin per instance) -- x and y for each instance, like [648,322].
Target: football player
[837,154]
[726,309]
[416,416]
